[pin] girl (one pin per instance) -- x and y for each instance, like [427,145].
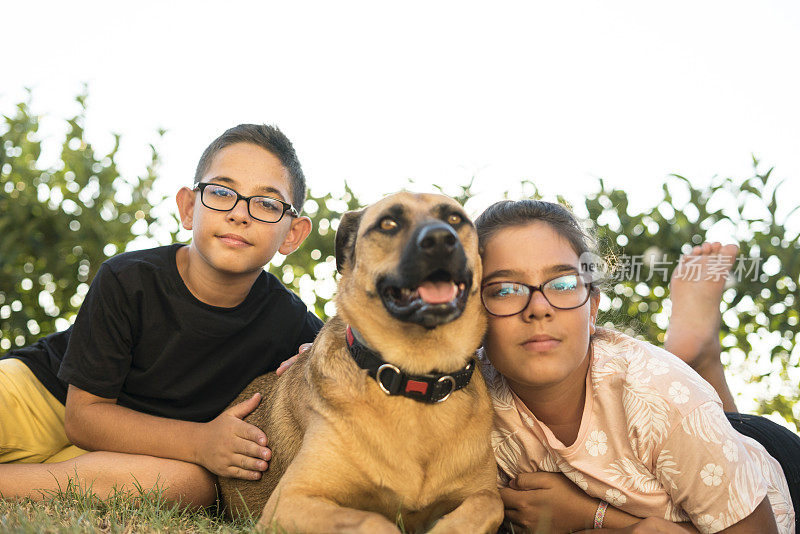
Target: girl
[629,424]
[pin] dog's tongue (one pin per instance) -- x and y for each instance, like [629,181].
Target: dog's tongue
[437,292]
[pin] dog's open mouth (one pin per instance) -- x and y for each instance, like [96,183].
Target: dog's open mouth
[439,298]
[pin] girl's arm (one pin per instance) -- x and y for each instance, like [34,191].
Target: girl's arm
[542,496]
[532,498]
[761,520]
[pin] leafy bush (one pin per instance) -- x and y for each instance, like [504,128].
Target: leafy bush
[58,224]
[760,316]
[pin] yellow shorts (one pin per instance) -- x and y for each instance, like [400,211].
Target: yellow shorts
[31,419]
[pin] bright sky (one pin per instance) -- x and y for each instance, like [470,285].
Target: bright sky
[559,93]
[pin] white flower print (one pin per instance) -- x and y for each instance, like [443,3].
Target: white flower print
[679,393]
[507,450]
[549,463]
[648,418]
[636,366]
[597,444]
[708,523]
[569,471]
[578,478]
[675,514]
[657,366]
[777,490]
[783,518]
[614,497]
[731,451]
[706,422]
[667,468]
[632,475]
[527,419]
[610,367]
[712,474]
[502,398]
[705,388]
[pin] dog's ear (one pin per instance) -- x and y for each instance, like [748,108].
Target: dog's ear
[346,239]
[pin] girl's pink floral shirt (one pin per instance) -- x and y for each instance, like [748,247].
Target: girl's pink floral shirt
[653,441]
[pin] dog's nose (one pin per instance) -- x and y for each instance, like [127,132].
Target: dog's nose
[436,239]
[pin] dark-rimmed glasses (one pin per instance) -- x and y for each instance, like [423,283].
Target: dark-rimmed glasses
[564,292]
[261,208]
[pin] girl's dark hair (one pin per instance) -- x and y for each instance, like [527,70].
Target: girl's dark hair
[509,213]
[271,139]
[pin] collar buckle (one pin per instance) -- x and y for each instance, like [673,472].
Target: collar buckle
[431,388]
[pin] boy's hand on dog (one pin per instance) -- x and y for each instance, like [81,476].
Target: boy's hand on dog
[233,448]
[551,497]
[288,363]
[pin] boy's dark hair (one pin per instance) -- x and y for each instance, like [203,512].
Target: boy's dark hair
[271,139]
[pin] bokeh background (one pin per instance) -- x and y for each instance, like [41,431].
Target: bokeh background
[665,125]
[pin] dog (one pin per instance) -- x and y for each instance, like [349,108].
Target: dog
[385,420]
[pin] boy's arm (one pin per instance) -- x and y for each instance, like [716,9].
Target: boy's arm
[226,446]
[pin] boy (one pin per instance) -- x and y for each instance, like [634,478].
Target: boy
[165,339]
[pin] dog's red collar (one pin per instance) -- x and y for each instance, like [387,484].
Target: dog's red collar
[432,387]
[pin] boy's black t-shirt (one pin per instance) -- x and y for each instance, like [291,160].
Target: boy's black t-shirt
[142,337]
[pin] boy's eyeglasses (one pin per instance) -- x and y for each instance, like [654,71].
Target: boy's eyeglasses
[261,208]
[565,292]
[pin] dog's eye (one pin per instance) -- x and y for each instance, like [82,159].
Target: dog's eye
[454,218]
[387,223]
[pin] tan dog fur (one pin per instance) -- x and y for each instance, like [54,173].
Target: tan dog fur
[346,456]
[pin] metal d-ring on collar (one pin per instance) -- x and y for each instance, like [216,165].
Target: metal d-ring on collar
[452,385]
[423,388]
[378,376]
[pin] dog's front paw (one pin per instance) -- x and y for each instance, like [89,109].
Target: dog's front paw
[359,522]
[479,513]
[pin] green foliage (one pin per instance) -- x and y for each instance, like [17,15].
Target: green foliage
[310,271]
[760,314]
[59,223]
[759,305]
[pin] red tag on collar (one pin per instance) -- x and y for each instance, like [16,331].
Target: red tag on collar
[350,338]
[419,387]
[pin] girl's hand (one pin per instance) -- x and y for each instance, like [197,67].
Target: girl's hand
[287,363]
[550,499]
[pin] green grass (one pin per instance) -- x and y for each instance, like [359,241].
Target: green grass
[77,510]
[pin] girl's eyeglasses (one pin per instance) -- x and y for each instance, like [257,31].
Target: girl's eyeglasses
[564,292]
